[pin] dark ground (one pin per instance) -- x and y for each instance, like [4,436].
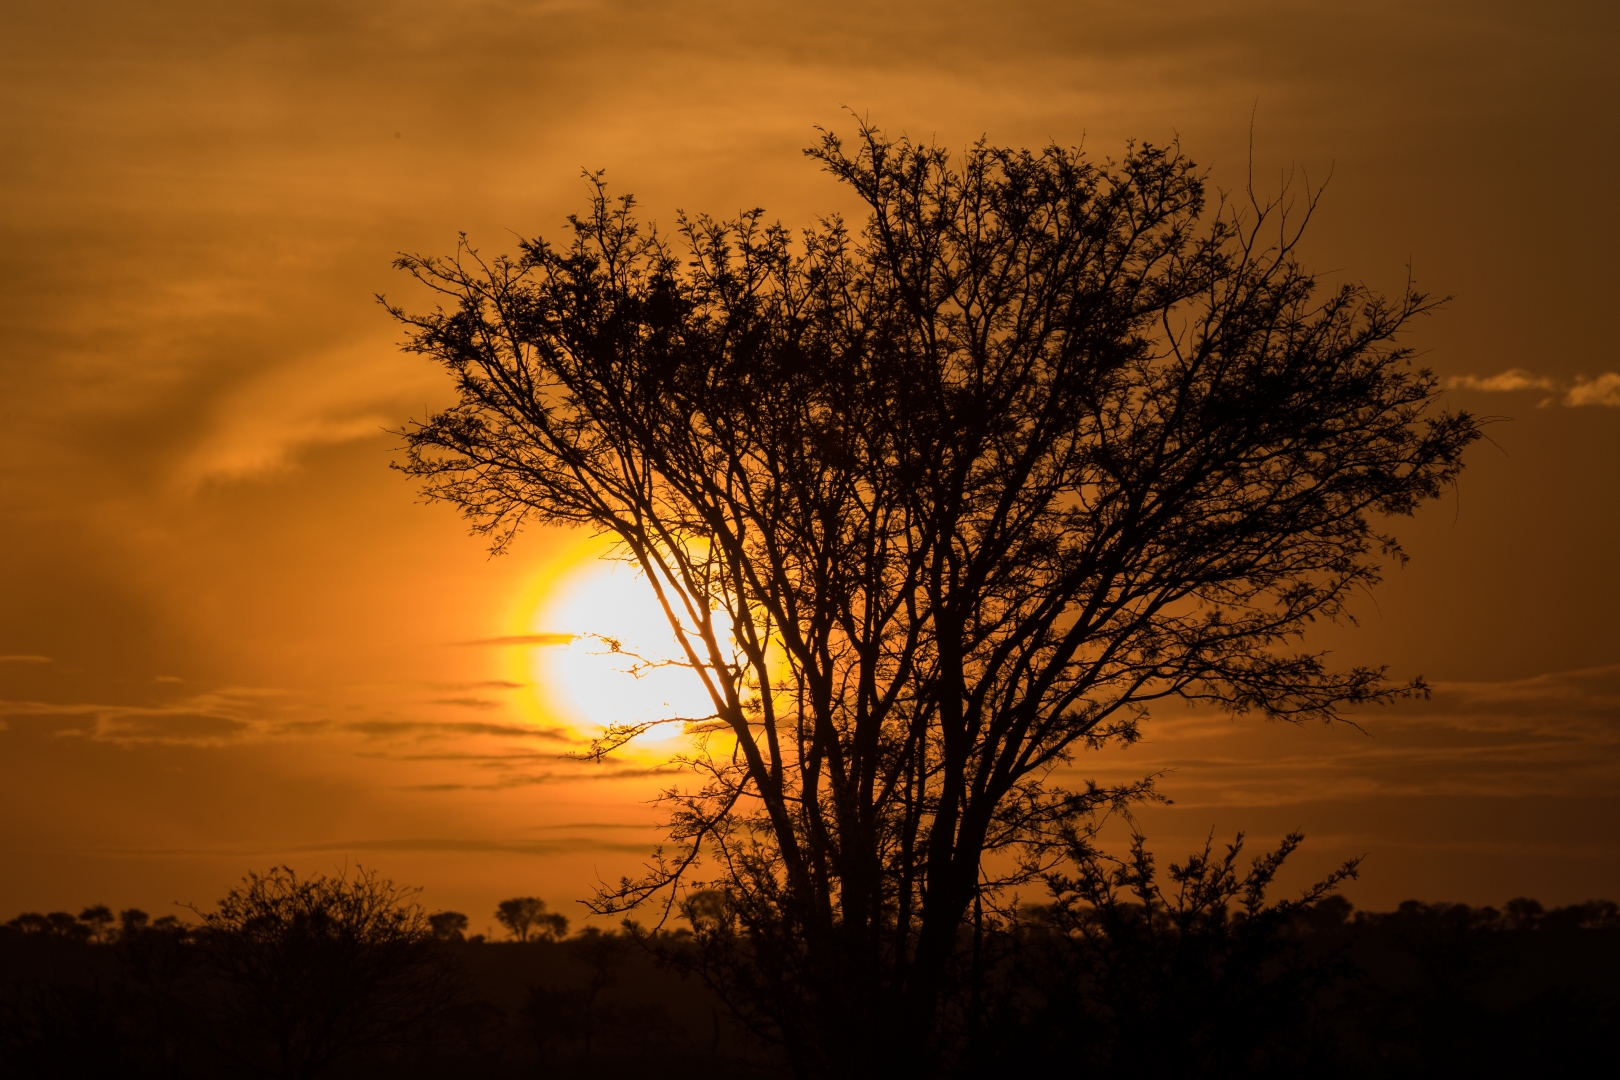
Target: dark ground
[71,1008]
[1427,990]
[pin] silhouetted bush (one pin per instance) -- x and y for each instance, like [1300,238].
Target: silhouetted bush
[1207,978]
[313,970]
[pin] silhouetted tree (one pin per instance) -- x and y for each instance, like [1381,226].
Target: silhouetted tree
[929,509]
[132,921]
[526,916]
[317,968]
[448,925]
[99,918]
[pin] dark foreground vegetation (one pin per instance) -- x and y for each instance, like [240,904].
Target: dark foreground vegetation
[346,976]
[295,977]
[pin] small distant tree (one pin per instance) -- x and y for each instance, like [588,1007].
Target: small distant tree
[526,917]
[99,918]
[132,921]
[448,925]
[317,968]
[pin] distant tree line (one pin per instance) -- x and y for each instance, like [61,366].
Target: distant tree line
[295,976]
[1191,970]
[93,924]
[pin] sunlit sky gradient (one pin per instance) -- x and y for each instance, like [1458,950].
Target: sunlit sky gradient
[230,636]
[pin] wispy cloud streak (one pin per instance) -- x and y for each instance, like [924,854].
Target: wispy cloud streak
[1602,390]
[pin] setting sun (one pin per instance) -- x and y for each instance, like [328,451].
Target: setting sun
[588,682]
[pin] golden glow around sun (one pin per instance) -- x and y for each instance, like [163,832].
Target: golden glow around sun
[585,683]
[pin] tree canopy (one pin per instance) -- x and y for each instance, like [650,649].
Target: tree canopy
[932,505]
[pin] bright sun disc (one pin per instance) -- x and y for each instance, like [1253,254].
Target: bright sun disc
[585,681]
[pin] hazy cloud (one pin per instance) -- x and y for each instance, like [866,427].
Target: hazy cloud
[24,658]
[525,639]
[481,684]
[1603,390]
[260,426]
[584,772]
[1551,734]
[559,846]
[236,713]
[1509,380]
[1560,697]
[429,728]
[203,720]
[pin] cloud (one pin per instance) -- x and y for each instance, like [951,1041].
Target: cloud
[1562,697]
[235,714]
[355,391]
[559,846]
[482,684]
[1554,734]
[584,772]
[167,726]
[205,719]
[24,658]
[525,639]
[1508,381]
[1602,390]
[425,727]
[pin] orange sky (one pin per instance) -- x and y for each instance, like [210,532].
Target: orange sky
[229,636]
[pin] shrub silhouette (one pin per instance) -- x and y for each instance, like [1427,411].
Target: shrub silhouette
[1198,976]
[314,969]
